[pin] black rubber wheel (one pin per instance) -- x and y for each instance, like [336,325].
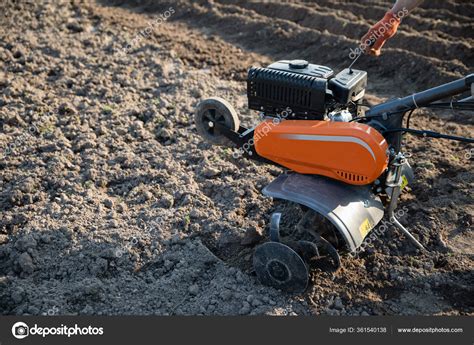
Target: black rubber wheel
[279,266]
[210,111]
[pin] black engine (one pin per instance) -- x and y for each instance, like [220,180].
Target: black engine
[310,91]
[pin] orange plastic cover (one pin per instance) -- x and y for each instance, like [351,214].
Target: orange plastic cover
[351,152]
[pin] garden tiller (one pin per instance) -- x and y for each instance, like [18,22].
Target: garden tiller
[346,168]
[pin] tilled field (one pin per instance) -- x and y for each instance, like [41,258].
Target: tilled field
[111,204]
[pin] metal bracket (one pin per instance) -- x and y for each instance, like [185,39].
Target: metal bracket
[243,137]
[394,180]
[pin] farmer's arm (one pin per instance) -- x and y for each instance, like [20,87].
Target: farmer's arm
[378,34]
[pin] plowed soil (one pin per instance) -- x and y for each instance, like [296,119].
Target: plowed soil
[110,202]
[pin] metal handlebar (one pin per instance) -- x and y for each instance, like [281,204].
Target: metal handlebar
[422,98]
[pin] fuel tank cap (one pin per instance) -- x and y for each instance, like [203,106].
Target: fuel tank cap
[298,64]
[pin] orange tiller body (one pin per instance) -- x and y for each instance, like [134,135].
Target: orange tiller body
[351,152]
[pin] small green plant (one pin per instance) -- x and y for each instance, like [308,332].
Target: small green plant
[107,109]
[159,120]
[46,128]
[225,153]
[187,220]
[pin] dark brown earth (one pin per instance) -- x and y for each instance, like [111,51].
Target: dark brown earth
[111,204]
